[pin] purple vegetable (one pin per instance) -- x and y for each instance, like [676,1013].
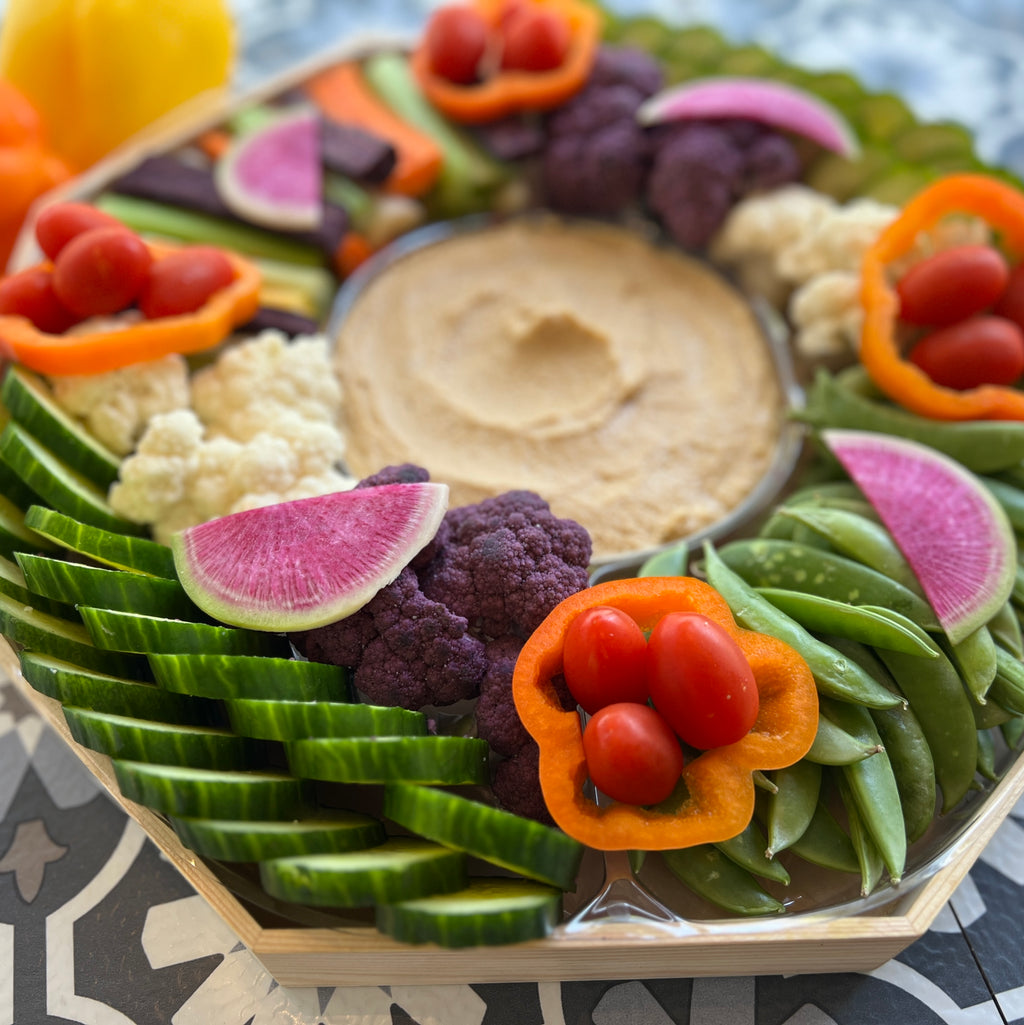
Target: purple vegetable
[356,153]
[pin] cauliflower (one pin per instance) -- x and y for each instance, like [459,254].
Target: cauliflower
[827,315]
[116,406]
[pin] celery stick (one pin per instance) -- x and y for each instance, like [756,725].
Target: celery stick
[357,201]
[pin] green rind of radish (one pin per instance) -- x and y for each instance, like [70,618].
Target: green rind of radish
[302,564]
[213,675]
[272,175]
[488,912]
[492,834]
[293,720]
[401,868]
[450,761]
[324,833]
[780,105]
[953,532]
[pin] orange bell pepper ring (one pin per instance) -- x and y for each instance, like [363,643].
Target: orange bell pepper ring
[1001,206]
[509,91]
[719,800]
[96,352]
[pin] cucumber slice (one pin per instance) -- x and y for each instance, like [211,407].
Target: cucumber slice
[15,535]
[31,403]
[327,832]
[12,487]
[213,793]
[443,760]
[39,631]
[72,685]
[212,675]
[294,720]
[14,585]
[129,631]
[496,836]
[106,588]
[489,912]
[401,868]
[121,551]
[60,486]
[141,740]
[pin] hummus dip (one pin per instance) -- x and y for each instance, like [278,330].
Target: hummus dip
[624,382]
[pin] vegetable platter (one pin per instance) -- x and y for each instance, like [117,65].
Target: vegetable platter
[175,679]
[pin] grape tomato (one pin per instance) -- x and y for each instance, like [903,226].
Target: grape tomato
[101,271]
[632,753]
[534,39]
[183,281]
[604,658]
[951,285]
[1011,302]
[29,293]
[700,680]
[58,224]
[456,40]
[973,352]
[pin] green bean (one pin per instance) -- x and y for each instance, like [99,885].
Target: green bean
[833,674]
[868,855]
[749,850]
[858,622]
[790,810]
[1007,688]
[1005,629]
[872,783]
[826,843]
[987,756]
[711,875]
[769,563]
[975,657]
[834,746]
[1010,498]
[669,562]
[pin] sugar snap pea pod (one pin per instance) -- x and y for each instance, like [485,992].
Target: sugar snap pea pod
[987,756]
[834,675]
[825,491]
[834,746]
[771,563]
[763,782]
[1017,595]
[1010,496]
[789,811]
[868,855]
[940,701]
[1007,688]
[872,783]
[858,622]
[713,876]
[826,843]
[669,562]
[1005,629]
[1013,732]
[975,657]
[749,850]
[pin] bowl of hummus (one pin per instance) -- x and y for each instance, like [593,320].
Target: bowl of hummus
[629,383]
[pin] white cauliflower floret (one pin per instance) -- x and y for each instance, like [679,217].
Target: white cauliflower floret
[116,406]
[827,315]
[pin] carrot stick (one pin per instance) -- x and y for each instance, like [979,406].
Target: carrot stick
[214,142]
[342,94]
[353,250]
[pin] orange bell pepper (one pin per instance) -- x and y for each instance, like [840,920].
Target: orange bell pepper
[719,801]
[1001,206]
[511,91]
[98,351]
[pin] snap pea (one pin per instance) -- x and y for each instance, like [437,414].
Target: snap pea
[770,563]
[826,491]
[779,527]
[749,850]
[1007,688]
[858,622]
[711,875]
[790,810]
[834,675]
[669,562]
[1010,498]
[868,855]
[987,756]
[1005,629]
[1017,595]
[1013,732]
[975,657]
[834,746]
[824,842]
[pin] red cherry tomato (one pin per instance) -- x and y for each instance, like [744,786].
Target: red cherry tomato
[604,658]
[632,754]
[1011,302]
[535,39]
[101,271]
[183,281]
[456,39]
[951,285]
[57,225]
[700,680]
[981,350]
[29,293]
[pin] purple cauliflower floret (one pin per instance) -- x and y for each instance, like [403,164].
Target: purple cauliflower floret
[506,562]
[627,65]
[497,721]
[401,473]
[516,785]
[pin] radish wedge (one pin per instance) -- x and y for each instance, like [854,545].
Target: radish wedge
[781,106]
[954,534]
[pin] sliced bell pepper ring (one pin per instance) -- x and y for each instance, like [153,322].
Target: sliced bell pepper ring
[719,801]
[511,91]
[1001,206]
[99,351]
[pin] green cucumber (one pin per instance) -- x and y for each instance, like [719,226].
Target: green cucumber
[496,836]
[58,484]
[142,740]
[443,760]
[72,685]
[324,832]
[213,675]
[31,403]
[401,868]
[107,588]
[213,793]
[294,720]
[12,487]
[129,631]
[489,912]
[109,547]
[14,585]
[15,535]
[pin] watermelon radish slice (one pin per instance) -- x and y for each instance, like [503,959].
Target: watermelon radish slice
[777,104]
[954,534]
[273,175]
[305,563]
